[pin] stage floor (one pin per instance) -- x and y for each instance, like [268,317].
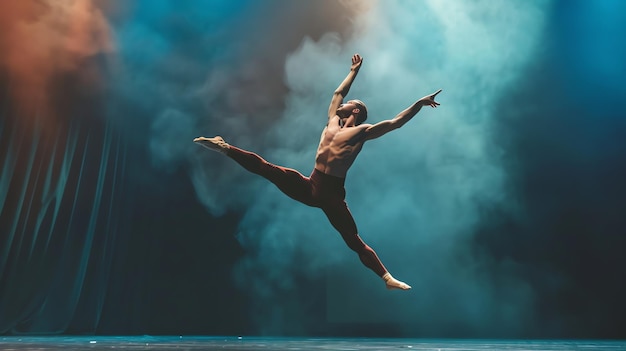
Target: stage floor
[280,344]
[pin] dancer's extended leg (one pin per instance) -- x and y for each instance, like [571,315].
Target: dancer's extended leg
[215,144]
[289,181]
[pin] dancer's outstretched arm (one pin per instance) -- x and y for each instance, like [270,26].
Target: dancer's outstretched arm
[344,87]
[381,128]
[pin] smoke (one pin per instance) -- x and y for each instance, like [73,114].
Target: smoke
[196,68]
[416,194]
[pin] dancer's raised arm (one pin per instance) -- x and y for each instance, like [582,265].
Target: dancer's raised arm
[381,128]
[344,87]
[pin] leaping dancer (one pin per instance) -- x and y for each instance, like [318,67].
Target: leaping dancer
[341,141]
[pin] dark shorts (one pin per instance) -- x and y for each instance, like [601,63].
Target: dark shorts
[318,190]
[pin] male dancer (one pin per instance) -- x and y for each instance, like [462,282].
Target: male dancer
[342,140]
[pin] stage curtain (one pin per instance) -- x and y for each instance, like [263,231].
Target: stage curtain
[61,181]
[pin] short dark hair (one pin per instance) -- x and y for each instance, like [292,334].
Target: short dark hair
[362,115]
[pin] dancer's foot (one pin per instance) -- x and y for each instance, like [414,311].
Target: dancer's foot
[216,144]
[394,284]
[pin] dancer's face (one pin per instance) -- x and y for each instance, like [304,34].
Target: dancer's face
[347,109]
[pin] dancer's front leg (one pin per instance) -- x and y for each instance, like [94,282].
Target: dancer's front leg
[340,217]
[394,284]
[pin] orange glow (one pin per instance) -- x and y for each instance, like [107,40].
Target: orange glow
[42,39]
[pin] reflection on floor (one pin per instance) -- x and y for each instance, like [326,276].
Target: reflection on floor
[280,344]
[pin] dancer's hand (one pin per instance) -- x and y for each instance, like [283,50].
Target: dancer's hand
[356,62]
[429,100]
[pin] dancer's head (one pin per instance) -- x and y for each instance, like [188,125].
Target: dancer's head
[361,115]
[353,107]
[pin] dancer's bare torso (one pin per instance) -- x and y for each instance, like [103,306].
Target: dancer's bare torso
[339,147]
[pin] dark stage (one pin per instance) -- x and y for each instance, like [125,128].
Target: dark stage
[278,344]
